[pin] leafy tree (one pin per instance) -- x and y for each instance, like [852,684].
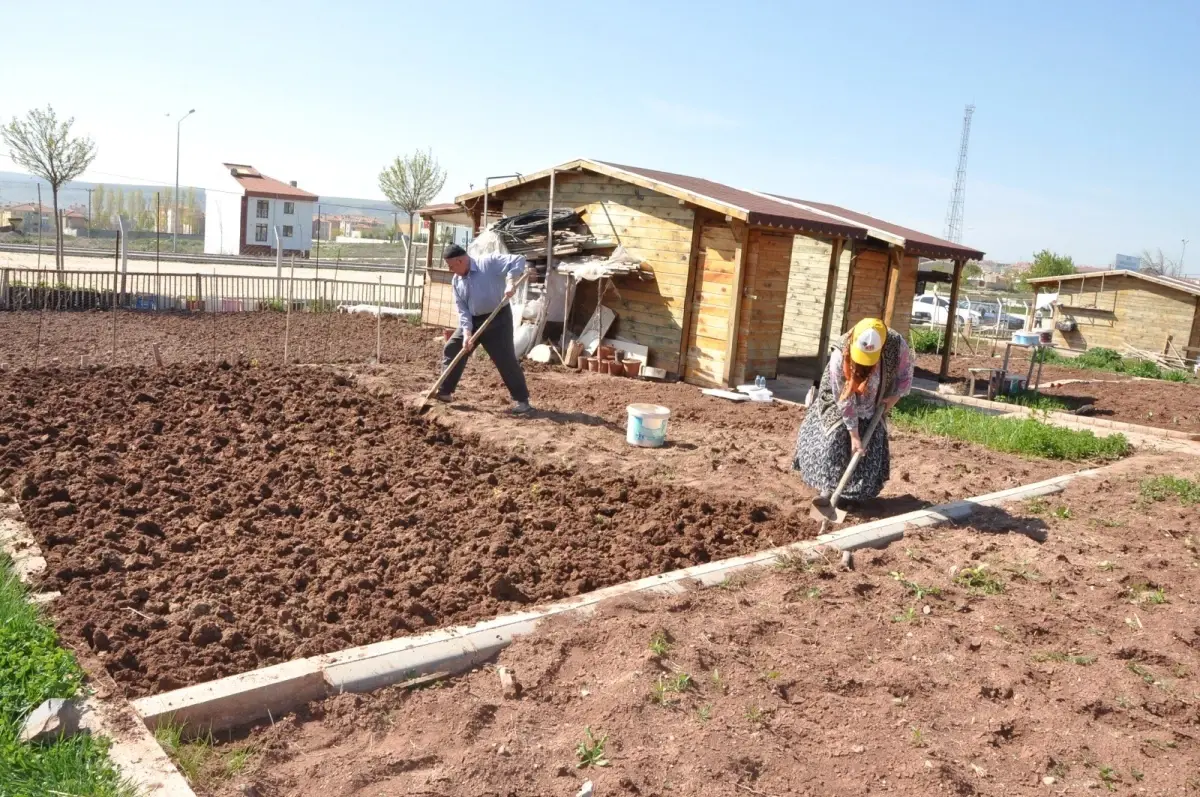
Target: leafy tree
[410,183]
[99,209]
[972,270]
[1049,264]
[43,145]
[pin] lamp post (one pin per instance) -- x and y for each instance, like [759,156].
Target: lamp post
[175,220]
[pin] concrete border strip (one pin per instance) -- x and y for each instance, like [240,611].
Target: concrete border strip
[261,694]
[133,749]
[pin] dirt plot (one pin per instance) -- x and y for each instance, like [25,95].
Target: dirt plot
[1149,402]
[970,661]
[187,338]
[928,366]
[716,446]
[208,521]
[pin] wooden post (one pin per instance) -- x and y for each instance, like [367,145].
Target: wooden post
[846,320]
[116,278]
[689,301]
[895,263]
[835,260]
[740,262]
[287,314]
[428,255]
[952,317]
[379,321]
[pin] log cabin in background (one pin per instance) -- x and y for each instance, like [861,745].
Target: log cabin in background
[1115,309]
[741,284]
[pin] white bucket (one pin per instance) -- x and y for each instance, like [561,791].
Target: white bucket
[647,426]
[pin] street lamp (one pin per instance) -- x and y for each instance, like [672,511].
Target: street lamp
[175,220]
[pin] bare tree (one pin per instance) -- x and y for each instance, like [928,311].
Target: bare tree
[1157,263]
[43,145]
[410,183]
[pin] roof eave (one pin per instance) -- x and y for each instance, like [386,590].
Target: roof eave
[831,228]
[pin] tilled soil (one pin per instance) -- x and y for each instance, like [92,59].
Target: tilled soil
[206,521]
[714,445]
[65,337]
[1149,402]
[970,661]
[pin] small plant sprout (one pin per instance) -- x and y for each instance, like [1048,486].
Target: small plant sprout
[1069,658]
[1141,672]
[1107,566]
[1138,775]
[813,593]
[979,581]
[918,591]
[704,713]
[917,737]
[1036,506]
[754,714]
[660,643]
[666,688]
[1062,512]
[1110,778]
[1023,571]
[1147,593]
[590,751]
[909,615]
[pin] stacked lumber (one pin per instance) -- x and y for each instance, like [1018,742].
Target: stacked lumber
[525,234]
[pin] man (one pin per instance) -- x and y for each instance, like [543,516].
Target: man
[479,286]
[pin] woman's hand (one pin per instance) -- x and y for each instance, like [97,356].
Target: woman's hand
[856,446]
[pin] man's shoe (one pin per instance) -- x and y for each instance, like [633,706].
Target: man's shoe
[521,408]
[445,398]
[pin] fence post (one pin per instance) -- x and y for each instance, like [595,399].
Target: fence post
[199,290]
[4,288]
[287,316]
[379,322]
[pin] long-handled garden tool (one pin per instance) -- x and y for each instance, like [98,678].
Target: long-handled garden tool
[825,509]
[422,404]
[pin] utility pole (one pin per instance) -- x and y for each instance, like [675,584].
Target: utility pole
[90,190]
[39,188]
[1182,252]
[954,215]
[175,219]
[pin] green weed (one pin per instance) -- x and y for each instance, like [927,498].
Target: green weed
[1026,436]
[1147,593]
[917,590]
[1036,506]
[1141,672]
[660,643]
[1110,778]
[979,581]
[704,713]
[909,615]
[1063,513]
[917,737]
[1066,658]
[1160,488]
[590,751]
[1034,400]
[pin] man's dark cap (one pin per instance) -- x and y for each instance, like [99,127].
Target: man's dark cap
[453,250]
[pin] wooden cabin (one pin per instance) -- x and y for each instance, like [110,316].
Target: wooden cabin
[1112,309]
[739,278]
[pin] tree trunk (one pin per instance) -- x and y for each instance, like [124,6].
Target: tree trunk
[58,231]
[408,275]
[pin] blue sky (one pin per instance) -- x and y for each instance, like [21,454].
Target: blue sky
[1084,139]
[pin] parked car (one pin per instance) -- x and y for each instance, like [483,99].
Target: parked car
[933,309]
[987,314]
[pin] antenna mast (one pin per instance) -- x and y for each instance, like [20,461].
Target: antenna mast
[954,216]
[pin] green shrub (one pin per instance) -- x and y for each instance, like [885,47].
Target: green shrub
[1035,401]
[1159,488]
[1143,368]
[1099,358]
[1176,376]
[924,341]
[1026,436]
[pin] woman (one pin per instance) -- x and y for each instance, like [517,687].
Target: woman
[870,369]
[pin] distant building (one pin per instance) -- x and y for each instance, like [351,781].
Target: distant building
[268,215]
[74,221]
[1127,263]
[24,218]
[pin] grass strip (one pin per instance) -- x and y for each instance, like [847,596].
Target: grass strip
[1026,436]
[33,668]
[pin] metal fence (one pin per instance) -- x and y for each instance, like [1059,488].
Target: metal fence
[32,289]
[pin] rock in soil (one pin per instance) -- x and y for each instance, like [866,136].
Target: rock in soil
[54,717]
